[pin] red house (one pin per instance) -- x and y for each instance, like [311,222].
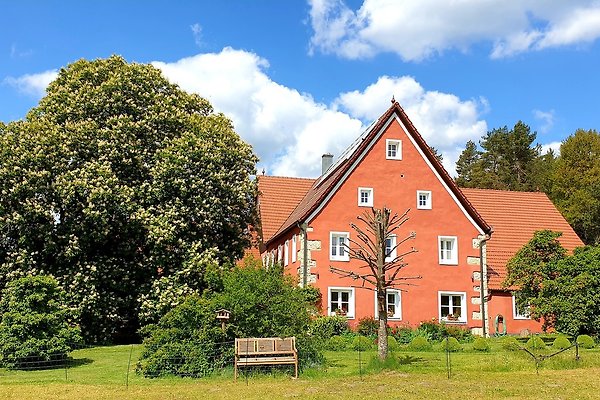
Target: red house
[461,235]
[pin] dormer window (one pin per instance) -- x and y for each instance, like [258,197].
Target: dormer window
[365,197]
[393,149]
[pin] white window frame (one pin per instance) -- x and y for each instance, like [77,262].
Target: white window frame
[337,257]
[463,306]
[516,314]
[427,206]
[394,251]
[294,248]
[280,254]
[397,303]
[351,300]
[362,190]
[453,259]
[286,253]
[398,144]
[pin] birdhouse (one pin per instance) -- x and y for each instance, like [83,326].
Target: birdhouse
[223,316]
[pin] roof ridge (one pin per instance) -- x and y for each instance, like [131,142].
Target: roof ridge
[287,177]
[505,190]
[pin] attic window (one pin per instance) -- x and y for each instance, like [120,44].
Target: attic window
[423,199]
[365,197]
[393,149]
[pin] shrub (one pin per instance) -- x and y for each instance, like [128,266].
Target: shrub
[431,330]
[585,341]
[392,344]
[510,343]
[561,342]
[451,344]
[337,343]
[481,344]
[367,326]
[420,343]
[34,325]
[535,343]
[403,334]
[327,327]
[361,343]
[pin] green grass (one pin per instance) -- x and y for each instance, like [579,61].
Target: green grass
[102,374]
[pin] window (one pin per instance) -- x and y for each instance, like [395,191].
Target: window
[390,248]
[338,249]
[393,304]
[365,197]
[452,306]
[448,250]
[518,312]
[393,149]
[423,200]
[286,253]
[280,254]
[294,248]
[341,301]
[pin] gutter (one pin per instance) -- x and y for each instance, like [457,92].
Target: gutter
[304,228]
[483,280]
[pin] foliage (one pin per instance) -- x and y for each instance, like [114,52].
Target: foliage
[535,343]
[34,324]
[420,343]
[376,247]
[116,179]
[585,341]
[450,344]
[367,326]
[393,344]
[435,331]
[561,342]
[361,343]
[263,303]
[325,327]
[510,343]
[403,333]
[337,343]
[508,160]
[312,294]
[576,188]
[481,344]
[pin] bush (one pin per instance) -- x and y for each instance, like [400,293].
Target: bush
[561,342]
[361,343]
[510,343]
[403,334]
[435,331]
[337,343]
[327,327]
[392,344]
[34,325]
[367,326]
[481,344]
[451,344]
[420,343]
[585,341]
[535,343]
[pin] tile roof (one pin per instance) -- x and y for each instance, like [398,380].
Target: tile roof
[514,217]
[278,197]
[317,194]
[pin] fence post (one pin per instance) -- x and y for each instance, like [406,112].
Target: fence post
[128,367]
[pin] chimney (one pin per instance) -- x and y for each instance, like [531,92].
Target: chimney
[326,161]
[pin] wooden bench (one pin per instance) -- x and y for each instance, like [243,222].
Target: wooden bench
[265,351]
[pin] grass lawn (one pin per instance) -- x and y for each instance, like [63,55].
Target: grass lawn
[102,374]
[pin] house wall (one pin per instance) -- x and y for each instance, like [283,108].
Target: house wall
[501,303]
[395,184]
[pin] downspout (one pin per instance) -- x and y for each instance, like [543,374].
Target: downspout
[483,288]
[304,228]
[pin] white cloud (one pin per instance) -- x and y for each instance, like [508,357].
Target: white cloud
[419,29]
[290,131]
[197,32]
[546,119]
[554,146]
[32,84]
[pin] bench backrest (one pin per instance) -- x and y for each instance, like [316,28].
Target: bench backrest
[257,346]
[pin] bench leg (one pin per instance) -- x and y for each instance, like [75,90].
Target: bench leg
[235,369]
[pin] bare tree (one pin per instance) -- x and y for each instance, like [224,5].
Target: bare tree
[376,246]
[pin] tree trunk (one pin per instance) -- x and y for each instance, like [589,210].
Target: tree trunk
[382,340]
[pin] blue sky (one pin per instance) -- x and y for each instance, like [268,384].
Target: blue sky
[300,78]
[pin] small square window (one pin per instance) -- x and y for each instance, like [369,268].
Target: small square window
[393,149]
[338,250]
[341,302]
[365,197]
[518,312]
[448,250]
[423,199]
[452,306]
